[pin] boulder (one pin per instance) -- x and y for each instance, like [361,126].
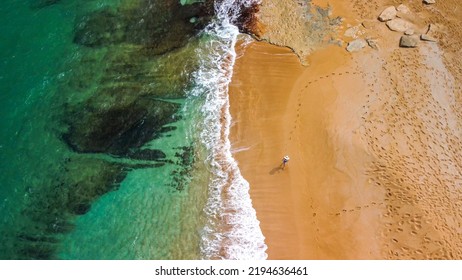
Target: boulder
[425,37]
[428,2]
[409,41]
[372,43]
[356,45]
[403,9]
[399,25]
[247,21]
[388,14]
[409,32]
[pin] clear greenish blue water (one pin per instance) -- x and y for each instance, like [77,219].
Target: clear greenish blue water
[114,132]
[32,52]
[146,216]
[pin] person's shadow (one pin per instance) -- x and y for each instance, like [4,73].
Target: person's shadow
[277,169]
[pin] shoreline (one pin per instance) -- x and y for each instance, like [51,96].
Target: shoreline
[279,196]
[298,205]
[365,179]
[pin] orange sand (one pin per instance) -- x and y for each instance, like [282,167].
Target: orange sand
[286,106]
[373,139]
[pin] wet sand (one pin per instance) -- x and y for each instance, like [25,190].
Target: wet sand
[373,139]
[289,110]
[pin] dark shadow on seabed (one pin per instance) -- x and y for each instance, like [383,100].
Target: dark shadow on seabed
[121,93]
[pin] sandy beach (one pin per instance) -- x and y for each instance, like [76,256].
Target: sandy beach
[373,136]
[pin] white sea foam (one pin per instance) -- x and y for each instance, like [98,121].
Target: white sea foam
[232,230]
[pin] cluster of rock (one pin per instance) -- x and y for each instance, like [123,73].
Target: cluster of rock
[394,18]
[310,26]
[359,43]
[398,19]
[356,45]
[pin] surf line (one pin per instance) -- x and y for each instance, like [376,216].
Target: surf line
[232,230]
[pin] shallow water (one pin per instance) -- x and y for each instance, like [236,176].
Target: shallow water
[102,151]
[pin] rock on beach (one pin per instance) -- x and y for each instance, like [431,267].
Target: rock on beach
[388,14]
[399,25]
[409,41]
[425,37]
[356,45]
[403,9]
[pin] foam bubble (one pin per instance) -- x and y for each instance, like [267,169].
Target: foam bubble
[232,230]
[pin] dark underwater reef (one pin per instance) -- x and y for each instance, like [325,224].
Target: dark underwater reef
[123,93]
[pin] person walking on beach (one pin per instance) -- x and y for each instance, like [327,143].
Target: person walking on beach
[285,160]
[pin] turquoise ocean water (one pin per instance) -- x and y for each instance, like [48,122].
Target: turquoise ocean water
[110,143]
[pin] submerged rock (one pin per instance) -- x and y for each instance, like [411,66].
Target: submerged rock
[115,102]
[163,76]
[115,121]
[100,28]
[171,74]
[80,182]
[86,179]
[39,4]
[147,154]
[185,162]
[38,251]
[51,206]
[159,25]
[189,2]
